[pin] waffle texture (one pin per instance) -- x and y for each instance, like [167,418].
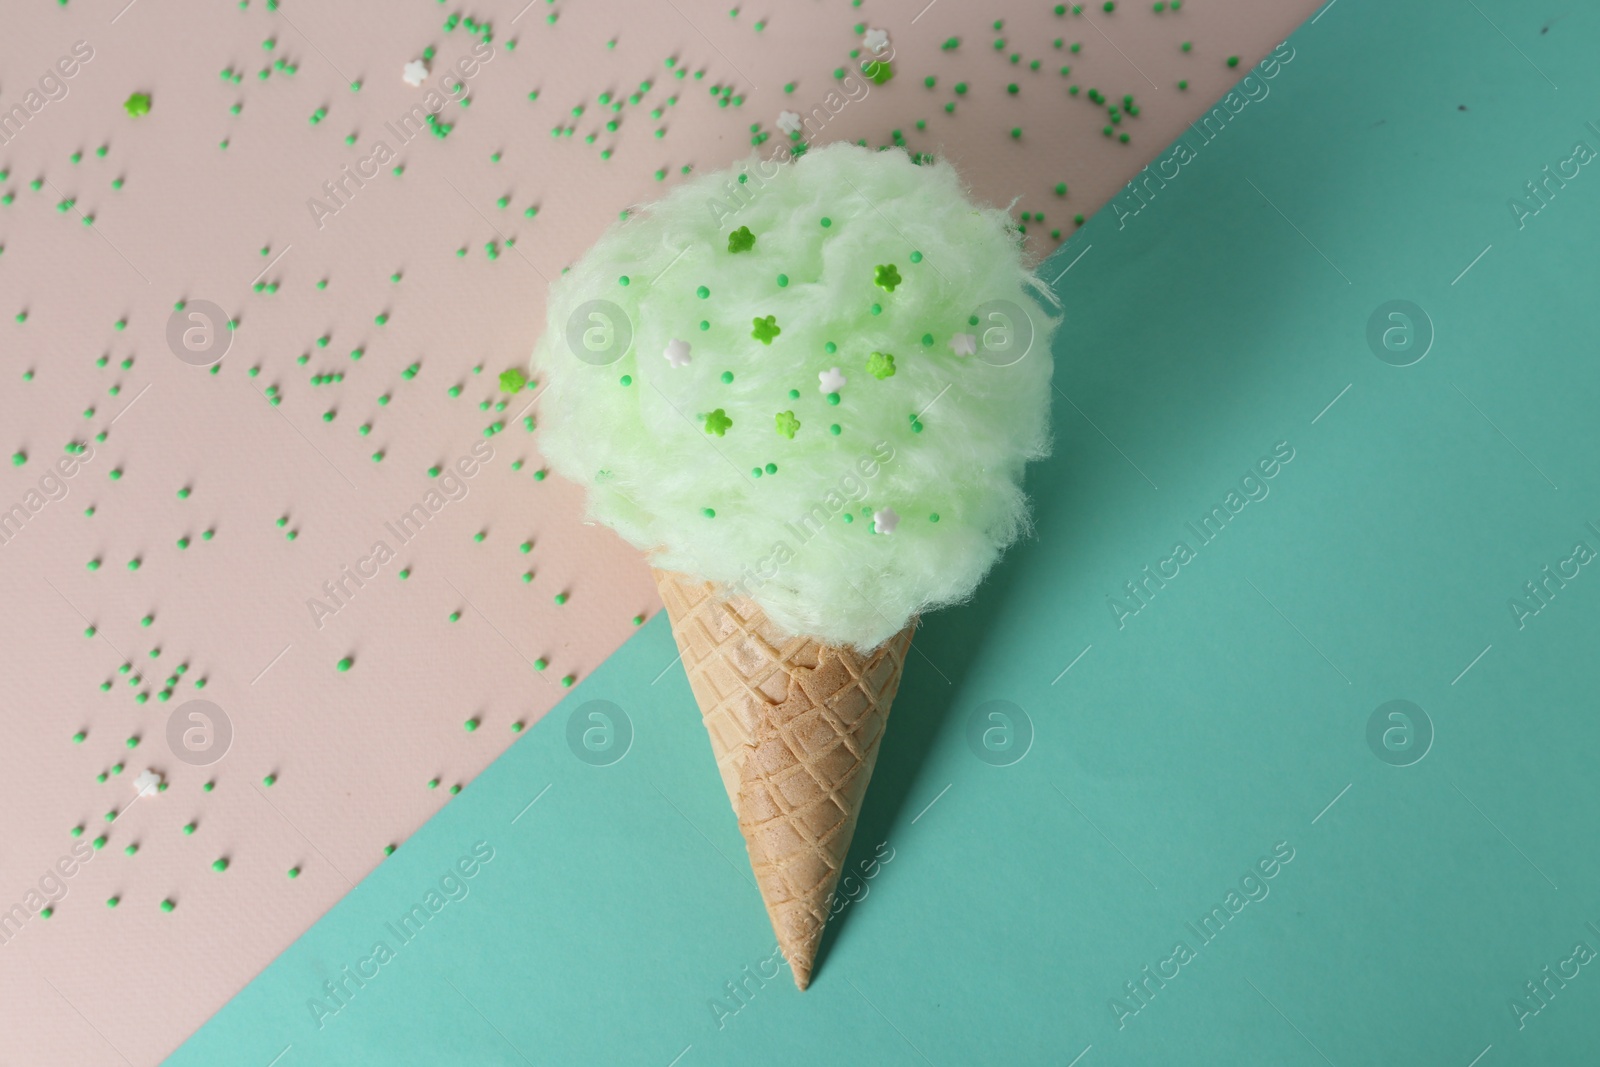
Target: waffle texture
[795,725]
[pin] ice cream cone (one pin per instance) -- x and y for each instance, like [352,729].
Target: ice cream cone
[795,726]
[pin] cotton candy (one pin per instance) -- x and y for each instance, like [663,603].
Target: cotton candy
[693,403]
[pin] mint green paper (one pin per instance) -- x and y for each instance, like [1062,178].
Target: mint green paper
[1171,754]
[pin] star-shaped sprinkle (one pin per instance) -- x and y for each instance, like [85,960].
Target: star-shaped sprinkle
[886,277]
[677,353]
[147,783]
[788,122]
[880,365]
[788,425]
[876,40]
[741,240]
[964,344]
[137,104]
[832,380]
[415,73]
[764,330]
[718,422]
[512,381]
[884,520]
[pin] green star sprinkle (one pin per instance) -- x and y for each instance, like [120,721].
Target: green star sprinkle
[741,240]
[788,425]
[764,330]
[886,277]
[880,365]
[512,381]
[718,422]
[137,104]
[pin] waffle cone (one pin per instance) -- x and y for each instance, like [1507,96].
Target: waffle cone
[795,726]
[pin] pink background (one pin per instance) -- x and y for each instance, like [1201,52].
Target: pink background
[353,752]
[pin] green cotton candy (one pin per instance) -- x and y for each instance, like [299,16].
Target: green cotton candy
[690,444]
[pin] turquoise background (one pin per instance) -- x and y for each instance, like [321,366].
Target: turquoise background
[1221,720]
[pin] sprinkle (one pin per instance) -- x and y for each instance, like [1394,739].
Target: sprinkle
[718,422]
[219,865]
[137,104]
[830,382]
[787,424]
[344,664]
[764,329]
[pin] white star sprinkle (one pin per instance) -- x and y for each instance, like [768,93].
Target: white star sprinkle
[876,40]
[964,344]
[677,352]
[884,520]
[832,380]
[147,783]
[788,122]
[415,73]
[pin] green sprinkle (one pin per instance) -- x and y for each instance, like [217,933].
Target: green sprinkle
[345,663]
